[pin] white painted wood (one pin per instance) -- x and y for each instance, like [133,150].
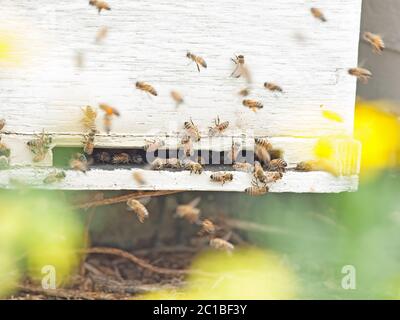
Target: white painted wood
[121,179]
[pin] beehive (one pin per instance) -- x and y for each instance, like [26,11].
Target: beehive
[56,67]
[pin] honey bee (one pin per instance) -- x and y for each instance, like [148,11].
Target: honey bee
[198,60]
[89,118]
[173,163]
[306,166]
[272,87]
[153,145]
[177,97]
[317,13]
[138,177]
[109,110]
[253,105]
[234,152]
[218,127]
[40,146]
[121,158]
[158,164]
[221,177]
[240,68]
[207,227]
[88,142]
[273,176]
[278,165]
[256,189]
[146,88]
[263,143]
[262,149]
[79,162]
[193,166]
[221,244]
[259,173]
[138,208]
[4,150]
[101,34]
[362,74]
[103,157]
[100,5]
[187,144]
[244,92]
[192,130]
[53,177]
[189,211]
[2,123]
[243,166]
[375,41]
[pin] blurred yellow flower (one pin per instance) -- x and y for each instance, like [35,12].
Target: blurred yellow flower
[9,49]
[331,115]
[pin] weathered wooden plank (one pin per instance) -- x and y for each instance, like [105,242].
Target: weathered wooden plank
[121,179]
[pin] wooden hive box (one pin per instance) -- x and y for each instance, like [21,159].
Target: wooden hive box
[59,68]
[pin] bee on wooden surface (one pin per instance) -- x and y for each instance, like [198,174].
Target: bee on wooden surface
[259,173]
[278,165]
[4,150]
[272,87]
[221,244]
[2,123]
[207,227]
[138,208]
[138,177]
[53,177]
[193,166]
[236,148]
[244,92]
[103,157]
[187,144]
[189,211]
[88,142]
[243,166]
[173,163]
[196,59]
[146,88]
[40,146]
[273,176]
[101,34]
[256,189]
[192,130]
[375,41]
[177,97]
[253,105]
[89,118]
[221,177]
[153,145]
[263,143]
[158,164]
[121,158]
[79,162]
[317,13]
[310,165]
[100,5]
[262,149]
[218,128]
[362,74]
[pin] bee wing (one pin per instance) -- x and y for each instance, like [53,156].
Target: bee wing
[144,201]
[194,202]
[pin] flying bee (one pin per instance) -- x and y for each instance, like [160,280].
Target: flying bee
[88,142]
[221,177]
[189,211]
[207,227]
[121,158]
[103,157]
[219,127]
[244,92]
[89,118]
[153,145]
[192,130]
[256,189]
[138,177]
[138,208]
[109,110]
[272,87]
[243,166]
[55,176]
[362,74]
[221,244]
[262,149]
[236,147]
[193,166]
[4,150]
[278,165]
[40,146]
[375,41]
[100,5]
[101,34]
[2,123]
[79,162]
[259,173]
[241,69]
[146,88]
[187,144]
[317,13]
[198,60]
[177,97]
[253,105]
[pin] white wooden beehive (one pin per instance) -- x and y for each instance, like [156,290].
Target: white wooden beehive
[148,41]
